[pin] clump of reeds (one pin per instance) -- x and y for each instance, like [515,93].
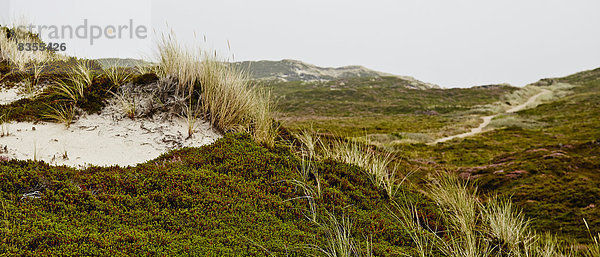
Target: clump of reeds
[377,165]
[79,78]
[116,74]
[63,113]
[507,225]
[473,228]
[227,97]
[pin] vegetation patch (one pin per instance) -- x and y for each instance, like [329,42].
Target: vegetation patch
[230,198]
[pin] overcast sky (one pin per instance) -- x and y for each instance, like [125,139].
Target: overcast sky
[451,43]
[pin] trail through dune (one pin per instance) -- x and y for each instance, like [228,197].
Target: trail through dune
[488,119]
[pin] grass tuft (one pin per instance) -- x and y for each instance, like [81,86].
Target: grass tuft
[310,142]
[63,113]
[80,77]
[9,48]
[128,104]
[361,155]
[227,97]
[116,74]
[507,225]
[339,240]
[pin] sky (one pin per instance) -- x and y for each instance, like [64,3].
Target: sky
[457,43]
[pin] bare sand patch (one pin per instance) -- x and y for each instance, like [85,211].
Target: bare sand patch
[9,95]
[104,139]
[101,140]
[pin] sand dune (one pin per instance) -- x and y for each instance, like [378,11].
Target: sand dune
[101,140]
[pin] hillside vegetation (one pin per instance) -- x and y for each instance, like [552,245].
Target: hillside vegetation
[388,108]
[545,158]
[232,198]
[550,169]
[343,170]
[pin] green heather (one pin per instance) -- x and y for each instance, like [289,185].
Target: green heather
[230,198]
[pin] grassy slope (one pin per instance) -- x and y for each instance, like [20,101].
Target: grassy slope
[385,95]
[379,105]
[230,198]
[552,171]
[227,198]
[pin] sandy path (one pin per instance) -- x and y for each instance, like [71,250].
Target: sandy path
[488,119]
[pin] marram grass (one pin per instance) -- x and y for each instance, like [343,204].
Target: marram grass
[228,98]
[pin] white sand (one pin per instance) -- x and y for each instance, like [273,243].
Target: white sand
[100,140]
[9,95]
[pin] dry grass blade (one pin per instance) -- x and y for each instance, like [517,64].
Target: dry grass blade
[594,248]
[4,125]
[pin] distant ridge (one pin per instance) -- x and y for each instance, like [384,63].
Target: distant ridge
[293,70]
[290,70]
[111,62]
